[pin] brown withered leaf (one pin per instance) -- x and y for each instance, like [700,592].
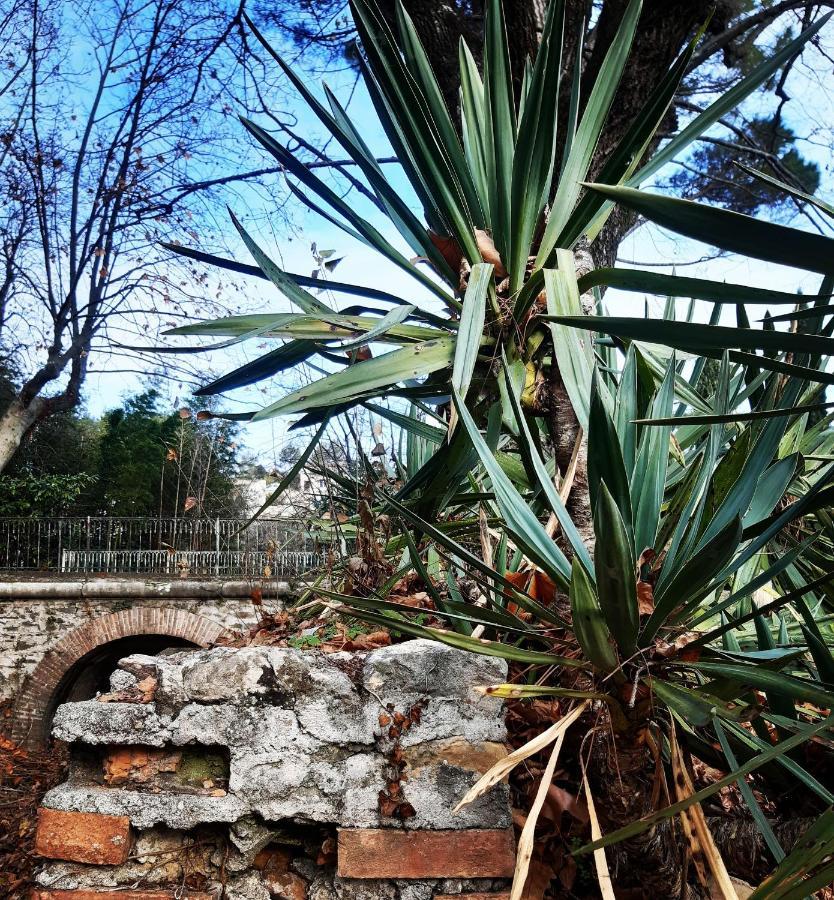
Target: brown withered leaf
[567,872]
[539,876]
[486,247]
[327,853]
[664,649]
[397,759]
[394,790]
[560,801]
[378,639]
[387,805]
[343,641]
[449,249]
[394,807]
[646,557]
[645,598]
[520,581]
[414,714]
[542,588]
[419,599]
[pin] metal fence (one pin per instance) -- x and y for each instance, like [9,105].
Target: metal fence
[161,546]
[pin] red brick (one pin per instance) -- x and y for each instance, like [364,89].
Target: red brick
[83,837]
[392,853]
[94,894]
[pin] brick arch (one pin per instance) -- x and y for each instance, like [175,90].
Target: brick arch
[33,707]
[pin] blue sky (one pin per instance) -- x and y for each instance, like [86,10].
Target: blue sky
[811,111]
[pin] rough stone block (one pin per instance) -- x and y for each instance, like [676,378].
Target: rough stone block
[479,756]
[146,809]
[301,736]
[431,669]
[392,853]
[83,837]
[110,723]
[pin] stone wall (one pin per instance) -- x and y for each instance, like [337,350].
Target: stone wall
[270,772]
[57,637]
[30,627]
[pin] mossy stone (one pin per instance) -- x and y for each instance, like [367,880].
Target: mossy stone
[198,766]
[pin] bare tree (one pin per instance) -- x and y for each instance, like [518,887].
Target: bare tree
[16,213]
[119,124]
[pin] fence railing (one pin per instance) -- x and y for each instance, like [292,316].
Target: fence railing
[164,546]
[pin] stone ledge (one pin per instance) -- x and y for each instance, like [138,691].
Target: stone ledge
[392,853]
[140,587]
[146,809]
[83,837]
[94,894]
[307,736]
[483,895]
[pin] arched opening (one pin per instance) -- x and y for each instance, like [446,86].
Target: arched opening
[79,665]
[91,674]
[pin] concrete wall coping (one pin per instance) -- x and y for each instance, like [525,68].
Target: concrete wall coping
[148,588]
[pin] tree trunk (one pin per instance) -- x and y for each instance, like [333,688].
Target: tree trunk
[742,846]
[623,776]
[15,422]
[565,431]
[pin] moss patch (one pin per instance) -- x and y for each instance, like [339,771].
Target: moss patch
[198,766]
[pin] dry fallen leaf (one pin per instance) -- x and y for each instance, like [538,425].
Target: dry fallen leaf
[449,249]
[486,247]
[645,598]
[600,862]
[561,801]
[709,866]
[539,877]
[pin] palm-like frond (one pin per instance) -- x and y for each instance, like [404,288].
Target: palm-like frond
[711,586]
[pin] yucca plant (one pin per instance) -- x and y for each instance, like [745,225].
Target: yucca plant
[501,196]
[621,523]
[683,636]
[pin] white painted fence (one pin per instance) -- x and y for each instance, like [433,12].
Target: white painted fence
[154,546]
[187,563]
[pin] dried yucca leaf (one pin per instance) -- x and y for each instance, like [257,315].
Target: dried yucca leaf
[527,841]
[502,768]
[704,853]
[600,862]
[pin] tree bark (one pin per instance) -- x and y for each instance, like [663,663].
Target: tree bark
[565,431]
[15,423]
